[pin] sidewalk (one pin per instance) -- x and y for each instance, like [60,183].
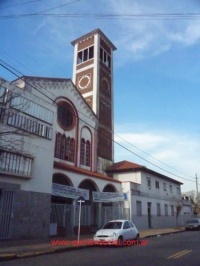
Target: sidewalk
[10,249]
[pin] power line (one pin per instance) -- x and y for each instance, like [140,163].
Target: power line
[152,156]
[11,71]
[124,16]
[117,134]
[15,60]
[66,4]
[24,3]
[53,101]
[95,128]
[153,163]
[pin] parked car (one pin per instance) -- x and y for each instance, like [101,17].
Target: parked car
[193,224]
[117,232]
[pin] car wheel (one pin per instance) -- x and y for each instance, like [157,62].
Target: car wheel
[120,241]
[137,240]
[137,237]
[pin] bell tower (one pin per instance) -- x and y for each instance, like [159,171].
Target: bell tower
[93,76]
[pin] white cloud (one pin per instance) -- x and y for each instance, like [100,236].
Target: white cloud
[190,35]
[142,38]
[138,38]
[174,152]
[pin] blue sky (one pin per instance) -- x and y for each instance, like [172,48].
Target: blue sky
[156,69]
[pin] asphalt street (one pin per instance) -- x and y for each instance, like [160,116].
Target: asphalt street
[174,249]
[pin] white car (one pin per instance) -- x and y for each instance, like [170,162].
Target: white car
[117,232]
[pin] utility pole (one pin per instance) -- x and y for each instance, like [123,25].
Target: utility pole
[80,200]
[197,185]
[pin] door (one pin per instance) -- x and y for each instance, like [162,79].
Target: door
[128,232]
[149,213]
[6,202]
[134,231]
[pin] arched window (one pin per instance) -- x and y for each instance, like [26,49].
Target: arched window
[87,155]
[82,152]
[57,146]
[65,115]
[67,148]
[64,148]
[71,152]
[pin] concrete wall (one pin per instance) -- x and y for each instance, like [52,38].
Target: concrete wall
[157,221]
[141,222]
[30,215]
[137,188]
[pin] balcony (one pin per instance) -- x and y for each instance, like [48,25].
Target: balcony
[135,188]
[15,164]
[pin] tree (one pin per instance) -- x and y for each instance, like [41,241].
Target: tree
[14,129]
[195,201]
[178,208]
[10,105]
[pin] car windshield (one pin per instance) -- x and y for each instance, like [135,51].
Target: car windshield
[193,221]
[113,225]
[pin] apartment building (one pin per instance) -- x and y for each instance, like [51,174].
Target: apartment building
[153,198]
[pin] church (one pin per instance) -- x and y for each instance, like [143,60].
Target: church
[69,146]
[63,132]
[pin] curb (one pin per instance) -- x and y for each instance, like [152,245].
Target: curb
[164,234]
[15,256]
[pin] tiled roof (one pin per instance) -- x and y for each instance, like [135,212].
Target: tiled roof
[126,166]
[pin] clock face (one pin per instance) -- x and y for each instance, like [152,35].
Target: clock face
[84,81]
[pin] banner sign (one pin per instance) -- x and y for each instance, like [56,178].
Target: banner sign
[107,196]
[69,192]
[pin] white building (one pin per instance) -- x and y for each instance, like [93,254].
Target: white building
[187,211]
[26,162]
[151,197]
[63,150]
[61,145]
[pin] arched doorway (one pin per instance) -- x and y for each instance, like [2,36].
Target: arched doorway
[108,188]
[62,207]
[90,214]
[110,210]
[61,179]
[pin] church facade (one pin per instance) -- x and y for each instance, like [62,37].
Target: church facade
[65,129]
[59,147]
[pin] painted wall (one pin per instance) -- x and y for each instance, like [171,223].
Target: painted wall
[137,188]
[39,148]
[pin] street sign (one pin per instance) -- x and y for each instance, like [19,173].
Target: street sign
[81,199]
